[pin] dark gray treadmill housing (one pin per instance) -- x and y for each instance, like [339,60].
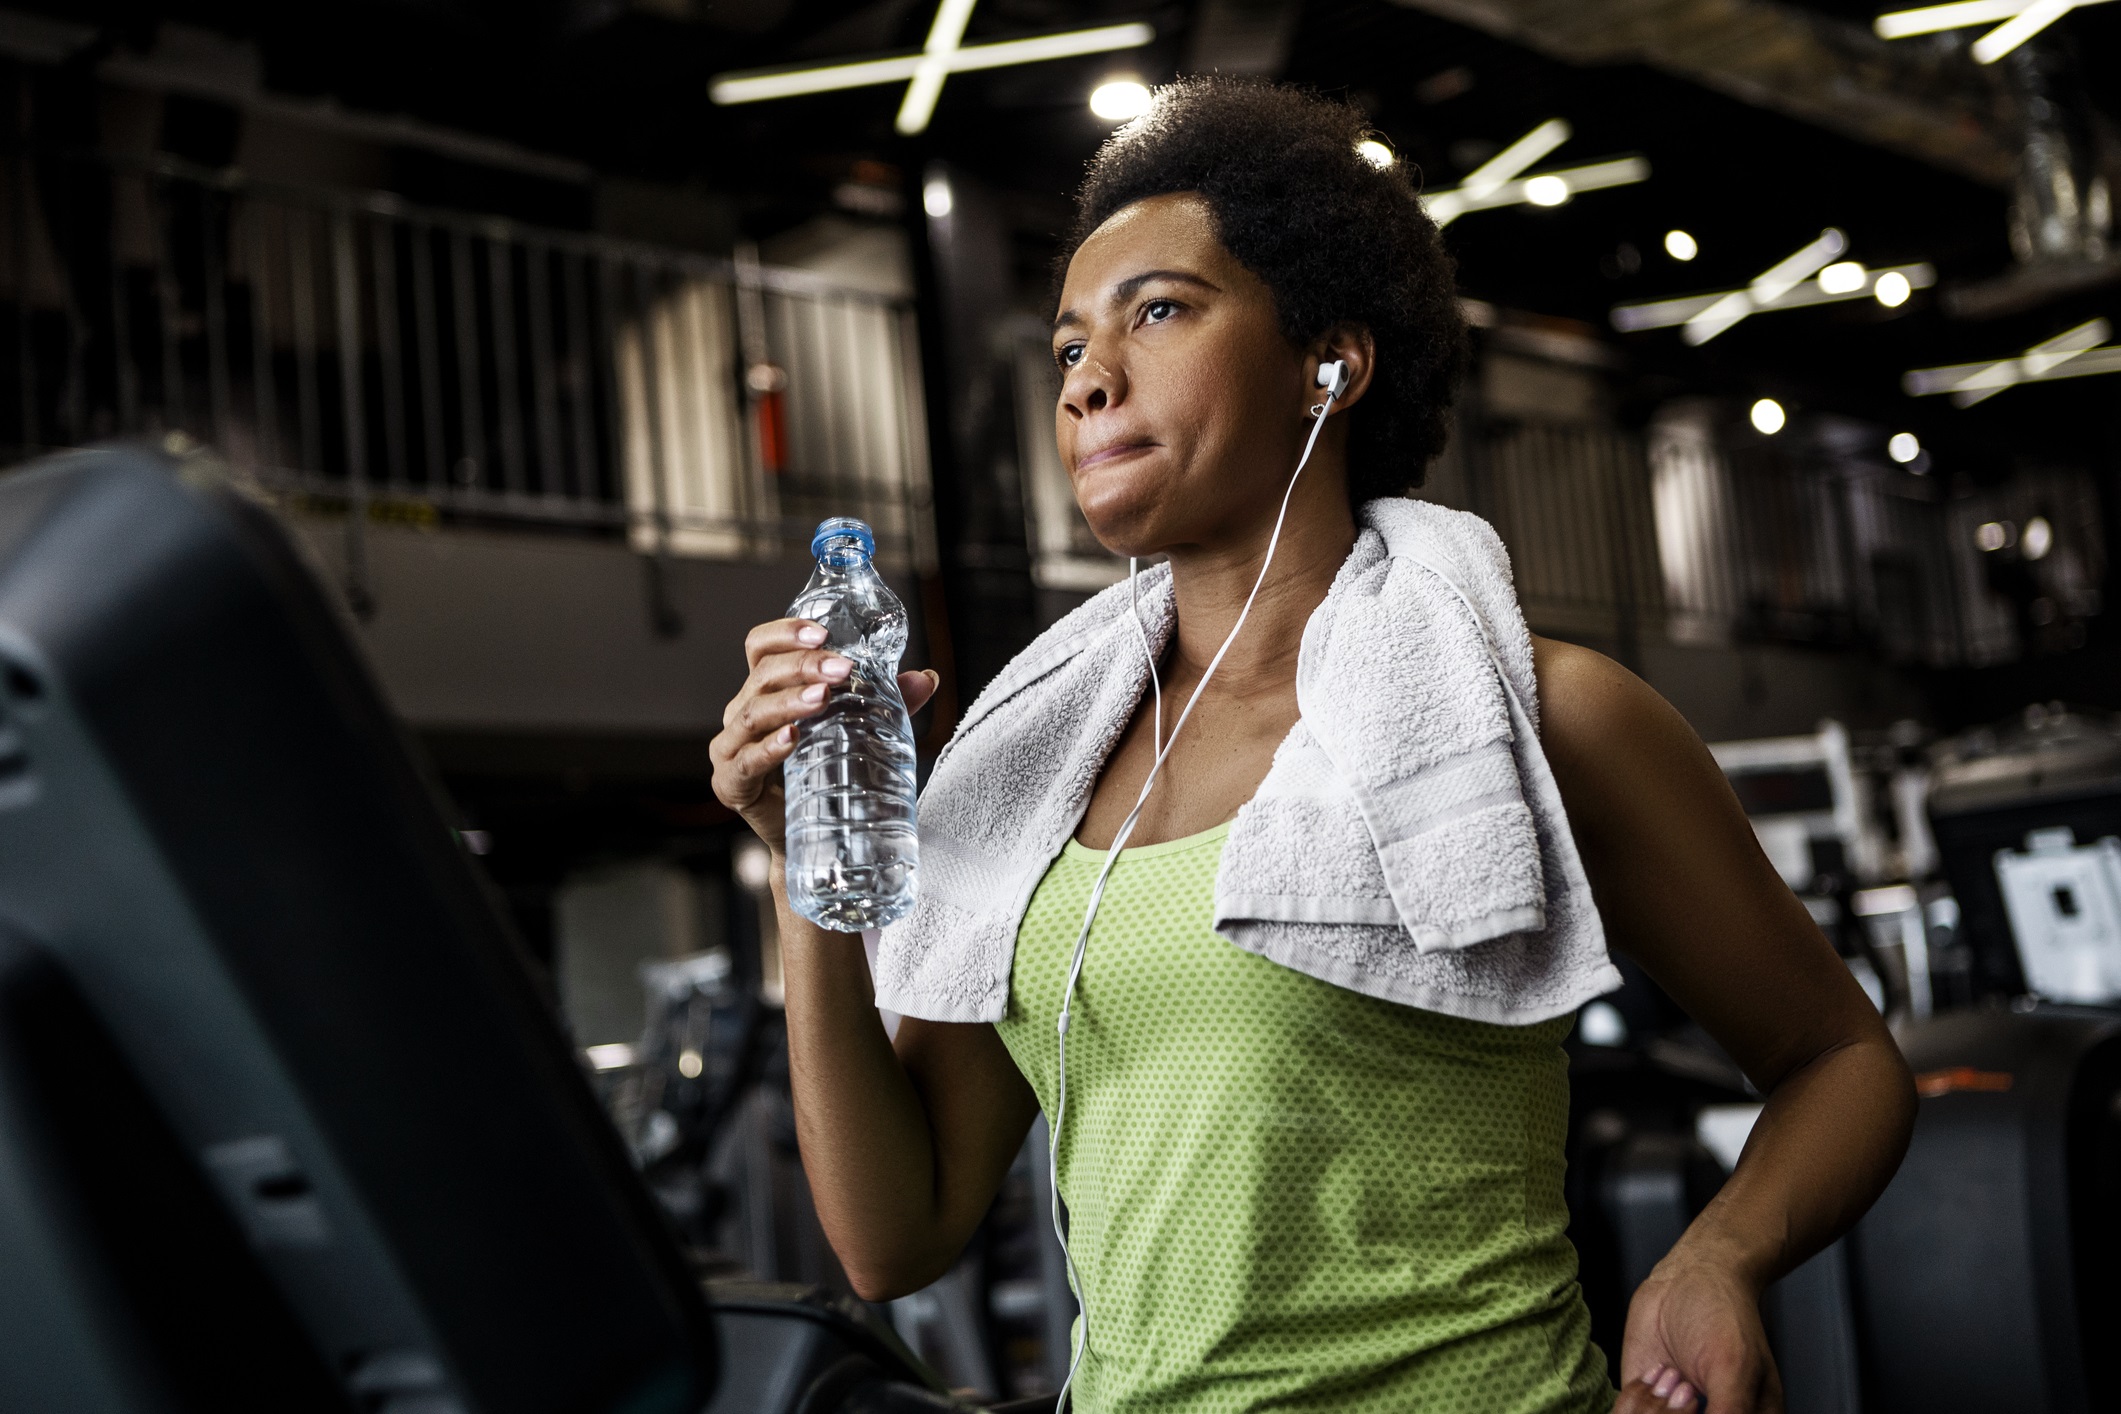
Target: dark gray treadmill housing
[311,1079]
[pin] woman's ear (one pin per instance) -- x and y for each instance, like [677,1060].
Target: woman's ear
[1351,345]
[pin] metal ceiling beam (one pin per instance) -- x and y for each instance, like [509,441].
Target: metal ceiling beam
[1914,101]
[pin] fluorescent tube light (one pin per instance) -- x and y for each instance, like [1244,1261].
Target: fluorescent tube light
[761,85]
[1663,314]
[2073,353]
[1444,207]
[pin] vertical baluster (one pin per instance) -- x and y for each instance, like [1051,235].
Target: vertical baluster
[685,454]
[604,359]
[175,413]
[806,465]
[212,209]
[500,283]
[471,404]
[750,331]
[428,347]
[864,354]
[346,284]
[302,302]
[537,288]
[263,395]
[832,379]
[584,355]
[390,352]
[652,405]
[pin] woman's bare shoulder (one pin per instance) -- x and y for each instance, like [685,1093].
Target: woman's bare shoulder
[1616,746]
[1589,702]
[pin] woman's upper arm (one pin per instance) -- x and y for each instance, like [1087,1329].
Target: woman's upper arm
[979,1108]
[1679,876]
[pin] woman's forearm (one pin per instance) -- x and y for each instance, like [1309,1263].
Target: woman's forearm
[867,1145]
[1826,1144]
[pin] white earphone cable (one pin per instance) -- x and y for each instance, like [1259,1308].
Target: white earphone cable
[1319,412]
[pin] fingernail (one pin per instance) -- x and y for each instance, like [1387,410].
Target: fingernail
[810,637]
[814,693]
[835,668]
[1666,1380]
[784,735]
[1681,1397]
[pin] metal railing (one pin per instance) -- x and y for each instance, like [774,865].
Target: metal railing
[1572,503]
[360,352]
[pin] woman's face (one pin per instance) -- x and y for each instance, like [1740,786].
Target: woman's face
[1182,406]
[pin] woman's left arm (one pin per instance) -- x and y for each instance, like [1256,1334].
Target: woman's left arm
[1685,890]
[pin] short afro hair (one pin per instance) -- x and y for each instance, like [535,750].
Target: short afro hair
[1338,240]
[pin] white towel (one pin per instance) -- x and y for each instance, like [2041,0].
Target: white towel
[1408,841]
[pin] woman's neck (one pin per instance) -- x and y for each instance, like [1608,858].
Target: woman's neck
[1209,587]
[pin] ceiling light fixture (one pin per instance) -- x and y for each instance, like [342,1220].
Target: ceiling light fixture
[1768,417]
[1496,182]
[944,54]
[2021,20]
[1895,280]
[2073,353]
[1681,246]
[936,199]
[1119,100]
[1844,277]
[1767,287]
[1903,447]
[1546,190]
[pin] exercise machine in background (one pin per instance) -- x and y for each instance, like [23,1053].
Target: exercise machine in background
[284,1124]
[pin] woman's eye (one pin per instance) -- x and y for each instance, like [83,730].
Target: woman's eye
[1068,355]
[1158,310]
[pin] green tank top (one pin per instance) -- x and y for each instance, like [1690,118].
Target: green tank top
[1284,1194]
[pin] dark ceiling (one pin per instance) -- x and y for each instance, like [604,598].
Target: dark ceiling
[623,88]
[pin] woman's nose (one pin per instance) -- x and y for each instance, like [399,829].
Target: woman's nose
[1090,387]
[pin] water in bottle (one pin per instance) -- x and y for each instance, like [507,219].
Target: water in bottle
[852,852]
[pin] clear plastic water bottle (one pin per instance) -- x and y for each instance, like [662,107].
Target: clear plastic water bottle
[852,851]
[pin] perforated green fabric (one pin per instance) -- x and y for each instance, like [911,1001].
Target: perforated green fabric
[1287,1195]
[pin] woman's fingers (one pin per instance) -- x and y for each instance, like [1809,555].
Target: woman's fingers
[1636,1398]
[917,688]
[781,636]
[756,716]
[1662,1389]
[782,670]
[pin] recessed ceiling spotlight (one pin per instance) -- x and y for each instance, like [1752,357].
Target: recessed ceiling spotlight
[1681,246]
[1904,447]
[1374,152]
[1768,417]
[2038,539]
[1892,289]
[1548,190]
[1844,277]
[935,197]
[1118,100]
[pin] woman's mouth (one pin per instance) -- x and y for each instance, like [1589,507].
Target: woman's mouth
[1111,453]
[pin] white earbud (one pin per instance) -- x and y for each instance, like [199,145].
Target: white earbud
[1333,377]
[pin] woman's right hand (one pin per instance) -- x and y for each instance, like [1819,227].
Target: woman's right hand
[792,672]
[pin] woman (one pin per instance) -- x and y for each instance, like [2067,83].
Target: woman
[1287,1185]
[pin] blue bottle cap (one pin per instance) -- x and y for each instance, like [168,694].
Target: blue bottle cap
[840,527]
